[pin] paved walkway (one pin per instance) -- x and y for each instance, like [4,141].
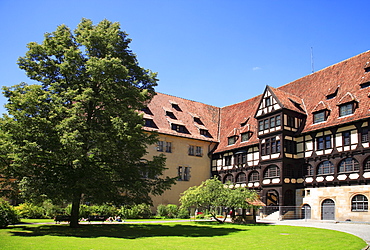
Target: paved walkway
[361,230]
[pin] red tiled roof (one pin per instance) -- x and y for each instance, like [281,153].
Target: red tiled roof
[310,94]
[324,89]
[209,115]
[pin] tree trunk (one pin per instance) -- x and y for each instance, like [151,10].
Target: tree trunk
[75,212]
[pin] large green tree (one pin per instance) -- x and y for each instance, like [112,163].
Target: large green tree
[77,135]
[212,194]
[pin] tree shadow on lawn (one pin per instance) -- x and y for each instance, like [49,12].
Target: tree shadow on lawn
[126,231]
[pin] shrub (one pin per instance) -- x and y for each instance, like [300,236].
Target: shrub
[162,210]
[183,213]
[172,211]
[30,211]
[7,214]
[140,211]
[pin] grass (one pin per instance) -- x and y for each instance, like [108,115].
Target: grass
[174,235]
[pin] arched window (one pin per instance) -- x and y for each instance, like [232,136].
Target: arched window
[272,171]
[325,167]
[254,176]
[229,178]
[241,178]
[359,203]
[367,164]
[349,165]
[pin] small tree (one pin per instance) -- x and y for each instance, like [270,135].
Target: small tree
[213,194]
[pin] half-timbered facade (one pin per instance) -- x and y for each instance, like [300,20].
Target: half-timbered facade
[304,144]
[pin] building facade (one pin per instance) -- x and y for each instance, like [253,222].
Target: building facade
[305,144]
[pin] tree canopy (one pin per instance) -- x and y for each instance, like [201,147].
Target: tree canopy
[213,193]
[78,133]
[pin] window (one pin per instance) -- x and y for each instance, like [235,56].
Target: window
[168,147]
[272,122]
[198,151]
[205,133]
[309,170]
[191,150]
[278,121]
[246,136]
[290,121]
[364,135]
[229,178]
[349,165]
[241,178]
[346,109]
[171,115]
[365,85]
[254,176]
[150,123]
[269,123]
[198,121]
[228,160]
[359,203]
[272,172]
[319,117]
[323,142]
[290,146]
[183,173]
[267,101]
[232,140]
[270,146]
[325,167]
[179,128]
[240,158]
[176,106]
[160,146]
[367,165]
[346,138]
[260,125]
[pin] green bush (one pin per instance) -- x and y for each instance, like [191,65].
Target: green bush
[7,214]
[172,211]
[162,210]
[30,211]
[140,211]
[183,213]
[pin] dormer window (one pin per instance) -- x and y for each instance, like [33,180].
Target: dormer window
[346,109]
[232,140]
[246,136]
[175,106]
[332,93]
[171,115]
[205,133]
[150,123]
[198,121]
[147,111]
[179,128]
[320,116]
[365,85]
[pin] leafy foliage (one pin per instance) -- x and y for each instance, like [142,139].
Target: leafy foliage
[8,215]
[213,194]
[78,134]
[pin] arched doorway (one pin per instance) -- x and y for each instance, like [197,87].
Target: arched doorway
[306,211]
[328,210]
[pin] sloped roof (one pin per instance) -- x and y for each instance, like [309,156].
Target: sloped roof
[324,89]
[209,115]
[309,93]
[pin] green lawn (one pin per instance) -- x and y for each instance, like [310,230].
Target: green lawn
[174,235]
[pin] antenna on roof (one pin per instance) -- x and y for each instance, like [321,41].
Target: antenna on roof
[313,70]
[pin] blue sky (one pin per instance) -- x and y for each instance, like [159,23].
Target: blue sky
[211,51]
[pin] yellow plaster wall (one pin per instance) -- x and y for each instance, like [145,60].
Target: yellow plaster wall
[199,166]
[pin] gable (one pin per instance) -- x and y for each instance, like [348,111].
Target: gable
[268,103]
